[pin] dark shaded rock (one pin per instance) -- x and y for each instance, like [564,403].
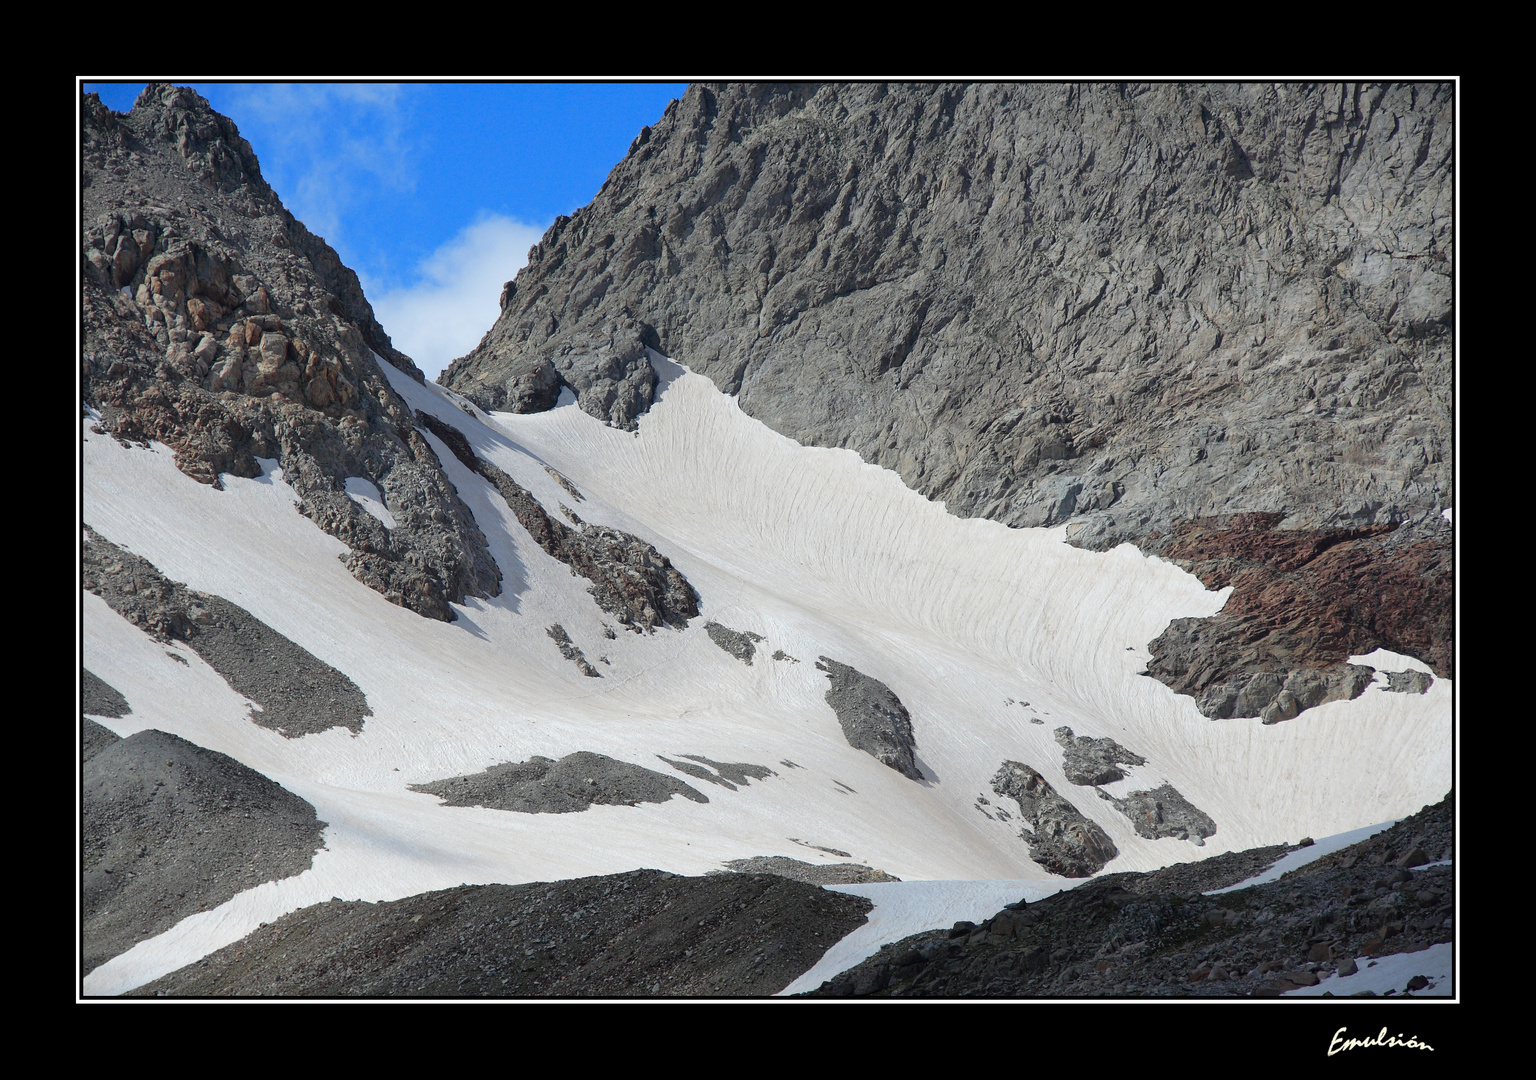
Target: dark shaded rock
[297,693]
[872,717]
[1060,838]
[542,785]
[99,699]
[1164,812]
[739,643]
[631,580]
[170,829]
[640,934]
[795,870]
[568,650]
[242,336]
[1089,761]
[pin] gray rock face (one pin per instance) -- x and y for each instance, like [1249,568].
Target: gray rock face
[873,719]
[739,643]
[242,335]
[631,580]
[298,693]
[1128,304]
[170,829]
[795,870]
[99,699]
[542,785]
[1060,838]
[1090,762]
[1164,812]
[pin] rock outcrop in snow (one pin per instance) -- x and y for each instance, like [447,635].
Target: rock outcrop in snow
[873,718]
[1060,838]
[542,785]
[631,580]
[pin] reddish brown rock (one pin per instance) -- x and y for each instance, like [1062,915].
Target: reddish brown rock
[1303,602]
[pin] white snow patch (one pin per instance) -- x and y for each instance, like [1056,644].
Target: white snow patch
[1384,660]
[565,398]
[1390,973]
[904,908]
[1446,513]
[362,491]
[1296,859]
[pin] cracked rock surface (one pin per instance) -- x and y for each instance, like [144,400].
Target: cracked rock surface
[631,580]
[1090,761]
[1164,812]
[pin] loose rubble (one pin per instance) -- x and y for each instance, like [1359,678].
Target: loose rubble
[640,934]
[170,829]
[1159,934]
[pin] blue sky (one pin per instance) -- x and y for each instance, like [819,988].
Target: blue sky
[432,192]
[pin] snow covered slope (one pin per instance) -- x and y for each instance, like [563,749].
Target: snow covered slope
[992,638]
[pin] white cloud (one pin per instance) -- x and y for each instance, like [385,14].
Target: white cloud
[323,143]
[446,313]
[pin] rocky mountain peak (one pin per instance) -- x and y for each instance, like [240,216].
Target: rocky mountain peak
[216,323]
[1122,308]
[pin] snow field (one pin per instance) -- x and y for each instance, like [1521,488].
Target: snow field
[812,548]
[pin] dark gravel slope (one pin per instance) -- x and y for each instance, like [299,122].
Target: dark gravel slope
[1158,935]
[644,933]
[171,829]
